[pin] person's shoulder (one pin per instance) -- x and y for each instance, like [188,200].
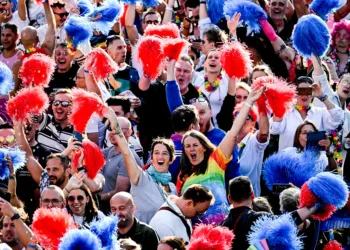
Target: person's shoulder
[145,228]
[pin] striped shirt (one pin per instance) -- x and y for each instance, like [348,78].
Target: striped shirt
[52,136]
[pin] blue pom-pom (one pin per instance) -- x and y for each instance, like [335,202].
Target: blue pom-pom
[6,79]
[128,2]
[311,28]
[106,230]
[251,13]
[78,29]
[215,12]
[329,189]
[323,7]
[18,158]
[79,239]
[15,5]
[151,3]
[85,7]
[280,232]
[284,167]
[109,11]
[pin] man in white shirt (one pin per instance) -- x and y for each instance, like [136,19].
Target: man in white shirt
[173,218]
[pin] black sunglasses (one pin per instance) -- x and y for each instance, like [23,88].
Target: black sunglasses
[28,127]
[199,99]
[61,15]
[73,198]
[64,104]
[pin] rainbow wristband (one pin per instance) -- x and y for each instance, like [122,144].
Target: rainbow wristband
[31,246]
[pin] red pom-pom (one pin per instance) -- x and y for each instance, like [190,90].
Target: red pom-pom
[28,101]
[50,225]
[280,96]
[210,237]
[37,70]
[84,105]
[169,30]
[100,64]
[333,245]
[151,55]
[122,18]
[174,47]
[308,199]
[235,60]
[39,2]
[93,157]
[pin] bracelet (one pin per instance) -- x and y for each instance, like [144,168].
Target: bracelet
[323,97]
[11,177]
[66,190]
[86,71]
[118,132]
[169,8]
[233,39]
[203,2]
[248,104]
[283,47]
[31,246]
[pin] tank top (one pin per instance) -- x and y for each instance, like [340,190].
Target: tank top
[9,61]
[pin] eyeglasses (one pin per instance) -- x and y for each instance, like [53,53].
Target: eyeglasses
[249,117]
[155,22]
[199,99]
[9,139]
[240,97]
[54,202]
[345,83]
[73,198]
[78,77]
[61,15]
[64,104]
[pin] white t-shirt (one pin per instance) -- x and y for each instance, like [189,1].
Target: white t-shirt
[19,22]
[37,15]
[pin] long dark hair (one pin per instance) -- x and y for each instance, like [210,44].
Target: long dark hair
[91,211]
[185,164]
[296,142]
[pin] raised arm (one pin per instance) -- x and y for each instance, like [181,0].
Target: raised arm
[225,116]
[131,30]
[33,166]
[50,37]
[129,160]
[22,10]
[144,83]
[228,143]
[264,127]
[172,89]
[168,16]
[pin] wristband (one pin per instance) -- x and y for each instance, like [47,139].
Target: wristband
[11,177]
[248,104]
[268,30]
[31,246]
[202,2]
[322,96]
[66,190]
[86,71]
[233,40]
[118,132]
[169,8]
[15,217]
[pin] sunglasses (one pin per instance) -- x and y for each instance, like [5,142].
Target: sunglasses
[28,127]
[64,104]
[73,198]
[61,15]
[155,22]
[9,139]
[199,99]
[53,201]
[249,117]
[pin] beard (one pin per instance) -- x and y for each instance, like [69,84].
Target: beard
[55,181]
[124,222]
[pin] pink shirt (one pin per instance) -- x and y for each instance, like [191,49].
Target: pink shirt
[9,61]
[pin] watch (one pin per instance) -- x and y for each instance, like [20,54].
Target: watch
[15,217]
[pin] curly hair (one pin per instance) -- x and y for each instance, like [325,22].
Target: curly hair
[342,25]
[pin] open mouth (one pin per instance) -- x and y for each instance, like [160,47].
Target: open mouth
[277,12]
[180,80]
[59,112]
[62,61]
[212,65]
[160,163]
[193,156]
[304,99]
[346,91]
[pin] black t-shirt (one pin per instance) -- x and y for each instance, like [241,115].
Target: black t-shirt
[40,154]
[287,31]
[63,80]
[128,79]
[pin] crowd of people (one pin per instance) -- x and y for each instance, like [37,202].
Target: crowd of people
[183,149]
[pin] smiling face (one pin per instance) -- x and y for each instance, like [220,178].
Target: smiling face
[6,7]
[55,171]
[304,100]
[160,158]
[63,59]
[205,114]
[183,75]
[278,9]
[194,150]
[124,209]
[212,63]
[7,138]
[77,201]
[241,95]
[60,112]
[8,39]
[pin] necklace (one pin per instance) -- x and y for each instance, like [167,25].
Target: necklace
[303,108]
[211,87]
[336,142]
[336,61]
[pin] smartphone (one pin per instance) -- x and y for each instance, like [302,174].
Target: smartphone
[5,195]
[279,187]
[313,139]
[304,91]
[78,136]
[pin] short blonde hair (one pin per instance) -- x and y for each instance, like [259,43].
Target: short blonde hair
[244,86]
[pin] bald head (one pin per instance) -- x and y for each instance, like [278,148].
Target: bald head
[122,204]
[29,37]
[125,125]
[122,196]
